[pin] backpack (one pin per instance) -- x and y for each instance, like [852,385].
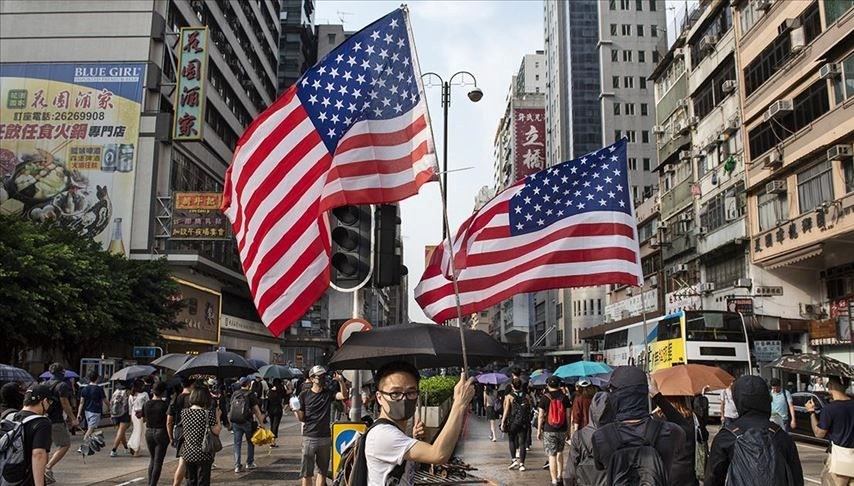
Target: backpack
[239,412]
[353,466]
[520,414]
[557,412]
[14,459]
[632,465]
[586,473]
[119,403]
[756,460]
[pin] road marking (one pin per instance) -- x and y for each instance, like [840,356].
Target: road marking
[811,480]
[136,480]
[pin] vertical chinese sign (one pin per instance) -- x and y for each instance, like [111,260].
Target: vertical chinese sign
[529,133]
[69,135]
[190,90]
[197,216]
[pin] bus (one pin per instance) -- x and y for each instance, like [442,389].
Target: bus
[713,338]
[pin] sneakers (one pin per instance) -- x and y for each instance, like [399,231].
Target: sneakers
[521,467]
[49,477]
[238,468]
[113,453]
[546,465]
[494,439]
[251,465]
[514,464]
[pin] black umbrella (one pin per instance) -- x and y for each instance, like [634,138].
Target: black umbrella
[221,364]
[424,345]
[257,363]
[171,361]
[133,372]
[812,364]
[10,373]
[277,371]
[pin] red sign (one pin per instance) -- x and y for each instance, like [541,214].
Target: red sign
[529,125]
[351,326]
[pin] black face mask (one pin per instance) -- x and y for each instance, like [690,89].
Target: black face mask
[402,409]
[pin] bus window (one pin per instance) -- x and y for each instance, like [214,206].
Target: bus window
[669,329]
[617,339]
[714,326]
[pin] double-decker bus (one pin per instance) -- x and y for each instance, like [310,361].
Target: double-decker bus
[714,338]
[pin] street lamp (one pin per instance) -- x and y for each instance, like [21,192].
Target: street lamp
[475,95]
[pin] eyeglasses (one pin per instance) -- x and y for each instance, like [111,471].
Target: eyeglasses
[397,396]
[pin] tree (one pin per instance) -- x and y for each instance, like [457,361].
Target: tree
[59,290]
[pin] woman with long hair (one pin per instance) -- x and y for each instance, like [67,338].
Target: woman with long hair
[516,422]
[489,399]
[677,410]
[196,420]
[120,412]
[154,414]
[137,400]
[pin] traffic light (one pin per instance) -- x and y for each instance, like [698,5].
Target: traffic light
[388,261]
[351,245]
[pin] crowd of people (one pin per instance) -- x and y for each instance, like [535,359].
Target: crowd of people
[622,433]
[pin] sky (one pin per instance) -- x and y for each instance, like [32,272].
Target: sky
[486,38]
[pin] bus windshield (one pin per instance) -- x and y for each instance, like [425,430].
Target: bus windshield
[714,326]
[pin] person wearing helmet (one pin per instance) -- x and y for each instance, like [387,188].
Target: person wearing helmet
[315,406]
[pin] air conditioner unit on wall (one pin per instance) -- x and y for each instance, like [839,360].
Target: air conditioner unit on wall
[743,283]
[685,217]
[798,38]
[762,5]
[778,108]
[684,155]
[653,281]
[773,160]
[707,42]
[775,187]
[728,86]
[681,268]
[810,309]
[658,129]
[829,71]
[705,287]
[839,152]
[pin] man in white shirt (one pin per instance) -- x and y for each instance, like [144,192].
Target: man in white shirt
[390,453]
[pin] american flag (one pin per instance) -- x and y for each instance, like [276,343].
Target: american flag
[353,130]
[571,225]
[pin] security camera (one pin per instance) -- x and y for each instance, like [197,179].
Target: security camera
[475,94]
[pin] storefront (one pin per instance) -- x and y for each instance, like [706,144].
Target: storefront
[250,339]
[201,316]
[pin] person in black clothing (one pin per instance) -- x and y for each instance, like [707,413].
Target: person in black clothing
[275,407]
[517,404]
[174,427]
[37,431]
[11,397]
[753,401]
[629,400]
[676,411]
[154,414]
[60,434]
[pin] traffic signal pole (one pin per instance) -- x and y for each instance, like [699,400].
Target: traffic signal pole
[355,393]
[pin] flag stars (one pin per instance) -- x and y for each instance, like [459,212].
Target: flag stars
[325,102]
[599,188]
[315,84]
[331,132]
[351,61]
[520,226]
[334,72]
[528,217]
[383,53]
[388,39]
[537,207]
[602,202]
[527,200]
[339,104]
[347,76]
[590,197]
[370,50]
[537,191]
[540,222]
[617,172]
[622,203]
[329,87]
[393,24]
[400,42]
[375,35]
[611,194]
[518,209]
[334,119]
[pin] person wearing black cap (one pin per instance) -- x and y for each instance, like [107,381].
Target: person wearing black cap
[553,425]
[37,433]
[628,440]
[753,401]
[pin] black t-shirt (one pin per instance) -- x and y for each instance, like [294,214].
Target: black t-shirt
[316,407]
[154,412]
[545,404]
[60,389]
[275,398]
[837,418]
[37,435]
[180,402]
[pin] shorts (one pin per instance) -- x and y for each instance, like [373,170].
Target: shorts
[60,435]
[315,452]
[554,442]
[93,419]
[122,419]
[491,414]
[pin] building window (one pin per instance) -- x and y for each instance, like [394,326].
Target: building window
[647,231]
[807,106]
[646,164]
[625,5]
[639,30]
[655,57]
[617,135]
[848,173]
[628,82]
[652,5]
[630,108]
[614,30]
[642,81]
[615,56]
[833,9]
[642,56]
[719,25]
[645,136]
[616,109]
[633,163]
[725,271]
[815,186]
[848,75]
[615,81]
[631,135]
[627,29]
[644,110]
[627,56]
[772,208]
[639,5]
[612,5]
[725,207]
[653,31]
[710,94]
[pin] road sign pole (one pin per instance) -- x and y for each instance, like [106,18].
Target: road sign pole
[355,393]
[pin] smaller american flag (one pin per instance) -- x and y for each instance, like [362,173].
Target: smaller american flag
[571,225]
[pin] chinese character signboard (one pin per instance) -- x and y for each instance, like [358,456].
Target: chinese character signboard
[196,216]
[823,332]
[740,304]
[190,89]
[529,127]
[767,351]
[201,315]
[69,144]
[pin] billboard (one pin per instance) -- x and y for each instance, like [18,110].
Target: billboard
[201,314]
[69,135]
[190,90]
[197,216]
[529,133]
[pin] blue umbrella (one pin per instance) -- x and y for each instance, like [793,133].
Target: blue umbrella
[492,378]
[68,374]
[540,379]
[582,368]
[258,363]
[10,373]
[601,380]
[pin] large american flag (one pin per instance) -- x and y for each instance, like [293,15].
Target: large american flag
[571,225]
[353,130]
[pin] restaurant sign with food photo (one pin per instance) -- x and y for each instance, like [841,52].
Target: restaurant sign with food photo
[69,135]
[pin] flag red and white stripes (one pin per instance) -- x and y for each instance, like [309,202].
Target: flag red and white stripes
[340,136]
[555,229]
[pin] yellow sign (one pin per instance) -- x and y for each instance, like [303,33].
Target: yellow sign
[343,433]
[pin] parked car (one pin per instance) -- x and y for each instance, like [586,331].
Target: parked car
[803,428]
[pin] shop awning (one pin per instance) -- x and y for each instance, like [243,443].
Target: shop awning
[794,257]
